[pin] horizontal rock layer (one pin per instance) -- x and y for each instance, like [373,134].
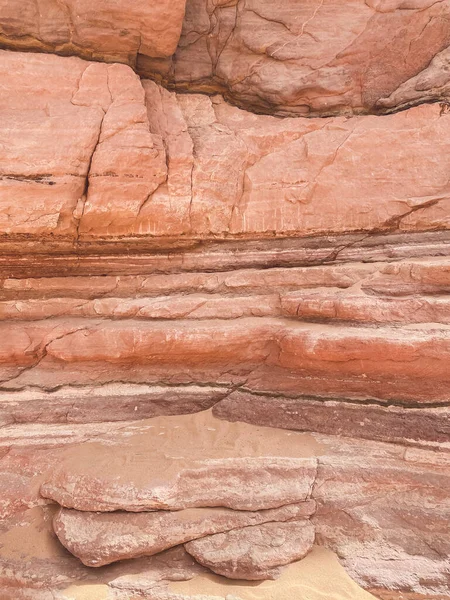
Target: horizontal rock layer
[382,507]
[98,539]
[135,160]
[151,472]
[165,253]
[104,31]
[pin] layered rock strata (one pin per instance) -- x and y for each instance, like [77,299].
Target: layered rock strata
[166,253]
[381,507]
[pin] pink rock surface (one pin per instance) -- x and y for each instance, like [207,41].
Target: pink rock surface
[385,517]
[387,364]
[102,31]
[323,57]
[35,566]
[171,465]
[255,552]
[164,253]
[400,424]
[187,165]
[383,507]
[332,305]
[98,539]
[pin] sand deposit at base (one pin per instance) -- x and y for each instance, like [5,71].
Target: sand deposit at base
[319,576]
[87,592]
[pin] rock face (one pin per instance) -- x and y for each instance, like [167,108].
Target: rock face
[98,538]
[131,164]
[224,310]
[115,32]
[322,57]
[382,507]
[254,552]
[150,472]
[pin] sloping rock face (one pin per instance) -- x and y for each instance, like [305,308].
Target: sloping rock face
[319,57]
[224,295]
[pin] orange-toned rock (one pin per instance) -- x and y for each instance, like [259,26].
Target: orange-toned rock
[323,57]
[98,539]
[97,114]
[333,305]
[266,355]
[254,552]
[154,169]
[101,31]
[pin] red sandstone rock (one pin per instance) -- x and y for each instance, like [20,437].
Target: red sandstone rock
[35,566]
[123,203]
[98,539]
[323,57]
[119,402]
[102,31]
[187,165]
[325,305]
[388,364]
[400,424]
[172,465]
[255,552]
[387,520]
[376,500]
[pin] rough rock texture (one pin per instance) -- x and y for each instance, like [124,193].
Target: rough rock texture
[116,31]
[255,552]
[162,469]
[314,57]
[163,252]
[131,165]
[382,507]
[98,539]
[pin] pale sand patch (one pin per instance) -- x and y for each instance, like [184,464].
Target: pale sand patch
[87,592]
[31,536]
[167,444]
[319,576]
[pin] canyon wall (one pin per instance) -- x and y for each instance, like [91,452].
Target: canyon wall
[238,208]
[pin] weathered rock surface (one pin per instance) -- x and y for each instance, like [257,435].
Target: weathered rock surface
[166,467]
[163,253]
[35,566]
[98,539]
[254,552]
[386,364]
[404,425]
[322,57]
[391,516]
[102,31]
[172,165]
[384,508]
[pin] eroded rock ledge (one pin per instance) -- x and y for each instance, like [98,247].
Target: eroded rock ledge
[136,160]
[165,253]
[383,509]
[320,57]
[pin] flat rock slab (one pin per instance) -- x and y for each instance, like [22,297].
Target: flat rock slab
[182,462]
[254,552]
[98,539]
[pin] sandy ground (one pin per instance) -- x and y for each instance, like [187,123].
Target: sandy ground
[319,576]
